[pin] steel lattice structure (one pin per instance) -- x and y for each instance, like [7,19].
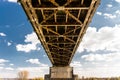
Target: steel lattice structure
[60,25]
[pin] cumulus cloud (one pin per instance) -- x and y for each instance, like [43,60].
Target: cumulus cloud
[93,57]
[6,69]
[99,13]
[117,1]
[76,64]
[9,43]
[100,71]
[101,57]
[7,72]
[99,40]
[32,43]
[36,61]
[11,64]
[2,34]
[106,38]
[44,55]
[117,12]
[33,61]
[9,68]
[109,16]
[14,1]
[1,68]
[3,61]
[109,5]
[2,64]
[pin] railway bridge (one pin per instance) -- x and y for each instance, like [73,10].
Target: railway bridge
[60,26]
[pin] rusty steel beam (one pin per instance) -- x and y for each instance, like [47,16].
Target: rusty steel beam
[61,8]
[60,25]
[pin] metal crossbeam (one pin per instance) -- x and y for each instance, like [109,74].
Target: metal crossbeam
[60,26]
[61,8]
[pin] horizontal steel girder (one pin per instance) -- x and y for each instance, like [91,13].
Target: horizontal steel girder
[60,25]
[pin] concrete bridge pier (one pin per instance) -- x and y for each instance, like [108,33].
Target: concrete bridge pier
[61,73]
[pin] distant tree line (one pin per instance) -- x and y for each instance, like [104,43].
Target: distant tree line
[94,78]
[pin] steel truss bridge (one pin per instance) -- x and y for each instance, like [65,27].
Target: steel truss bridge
[60,25]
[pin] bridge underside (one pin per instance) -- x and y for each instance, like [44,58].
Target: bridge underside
[60,25]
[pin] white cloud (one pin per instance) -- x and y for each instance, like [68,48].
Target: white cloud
[117,1]
[76,64]
[33,61]
[7,73]
[14,1]
[32,43]
[2,64]
[9,68]
[117,12]
[26,47]
[101,57]
[109,5]
[9,43]
[1,68]
[3,61]
[44,55]
[113,16]
[11,64]
[2,34]
[106,38]
[36,61]
[99,71]
[32,38]
[109,16]
[93,57]
[99,13]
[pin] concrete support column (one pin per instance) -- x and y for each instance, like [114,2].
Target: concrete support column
[61,73]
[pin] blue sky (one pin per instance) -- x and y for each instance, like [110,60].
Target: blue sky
[98,54]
